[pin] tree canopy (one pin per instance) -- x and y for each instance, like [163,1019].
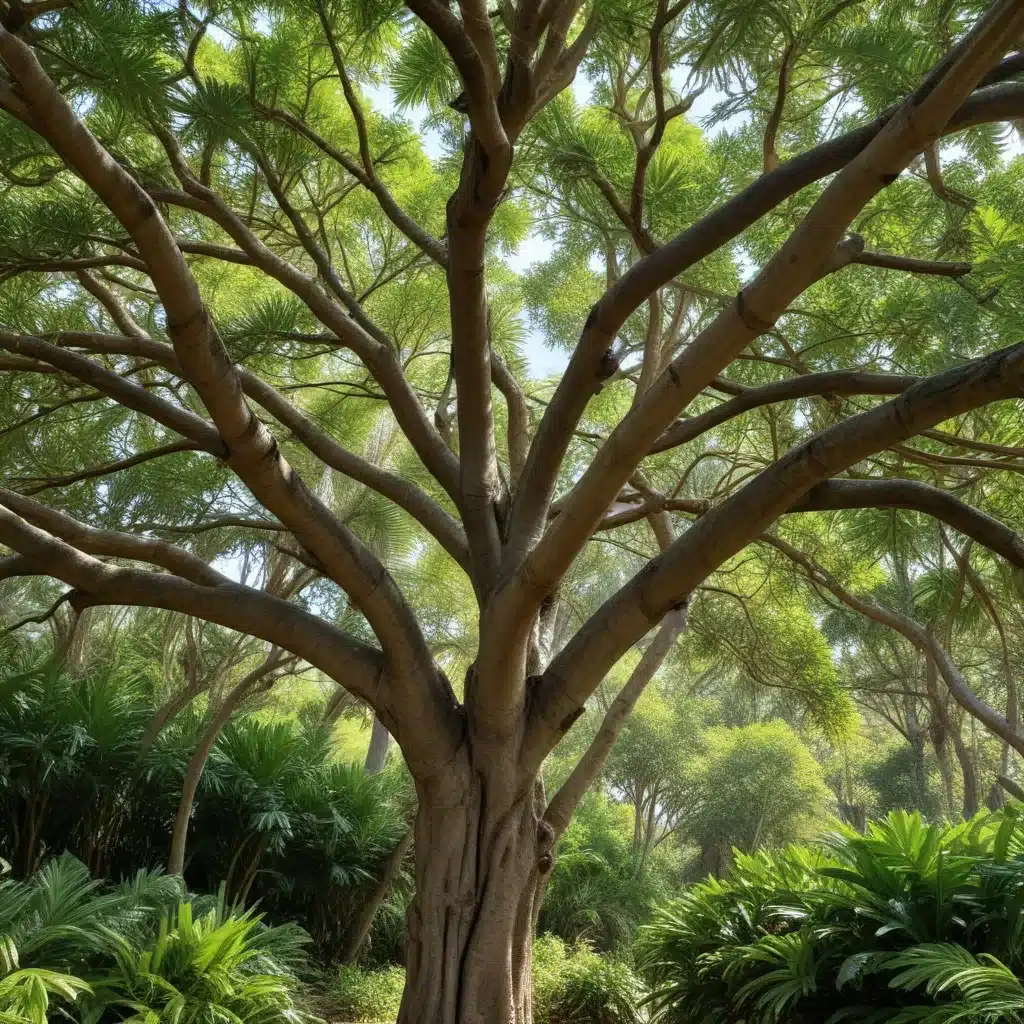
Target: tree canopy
[273,279]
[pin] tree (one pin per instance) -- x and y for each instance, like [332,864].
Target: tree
[220,258]
[754,786]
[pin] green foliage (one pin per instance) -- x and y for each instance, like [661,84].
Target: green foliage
[910,922]
[217,966]
[276,818]
[572,984]
[74,947]
[755,785]
[373,996]
[600,891]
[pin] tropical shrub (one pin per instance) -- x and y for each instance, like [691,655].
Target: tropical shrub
[910,922]
[276,817]
[358,995]
[140,951]
[219,966]
[600,890]
[573,984]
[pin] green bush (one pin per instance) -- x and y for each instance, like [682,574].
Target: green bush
[599,891]
[910,922]
[357,995]
[572,984]
[275,816]
[79,949]
[576,985]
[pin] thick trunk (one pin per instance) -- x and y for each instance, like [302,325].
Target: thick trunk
[480,847]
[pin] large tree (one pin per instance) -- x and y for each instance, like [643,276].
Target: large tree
[218,257]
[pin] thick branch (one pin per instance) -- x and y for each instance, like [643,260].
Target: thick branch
[358,666]
[252,451]
[938,268]
[801,261]
[730,526]
[592,360]
[831,382]
[919,497]
[113,543]
[130,395]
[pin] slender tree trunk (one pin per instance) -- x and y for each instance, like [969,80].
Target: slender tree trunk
[368,908]
[167,712]
[939,730]
[480,846]
[970,774]
[196,764]
[380,746]
[946,770]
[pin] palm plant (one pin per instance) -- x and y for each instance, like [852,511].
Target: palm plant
[200,970]
[910,922]
[138,951]
[276,817]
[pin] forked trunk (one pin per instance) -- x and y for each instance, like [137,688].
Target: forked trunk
[479,850]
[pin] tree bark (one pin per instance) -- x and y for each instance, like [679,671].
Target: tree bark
[970,774]
[480,847]
[380,746]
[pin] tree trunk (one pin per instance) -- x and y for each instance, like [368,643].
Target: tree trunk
[380,745]
[480,847]
[196,764]
[368,908]
[963,755]
[917,745]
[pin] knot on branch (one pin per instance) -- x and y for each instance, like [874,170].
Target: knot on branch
[608,366]
[750,318]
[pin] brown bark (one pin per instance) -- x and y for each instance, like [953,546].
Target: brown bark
[480,845]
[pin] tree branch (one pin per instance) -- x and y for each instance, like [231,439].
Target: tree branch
[593,360]
[938,268]
[172,448]
[730,526]
[919,497]
[252,451]
[922,639]
[112,543]
[801,261]
[255,612]
[831,382]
